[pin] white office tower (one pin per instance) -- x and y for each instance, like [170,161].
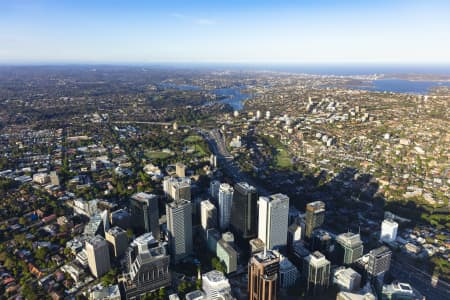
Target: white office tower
[258,114]
[347,279]
[214,187]
[215,285]
[268,114]
[225,200]
[179,226]
[273,220]
[388,230]
[208,215]
[98,256]
[177,188]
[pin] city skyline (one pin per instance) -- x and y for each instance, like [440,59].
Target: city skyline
[232,32]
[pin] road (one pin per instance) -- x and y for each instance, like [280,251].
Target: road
[217,143]
[419,280]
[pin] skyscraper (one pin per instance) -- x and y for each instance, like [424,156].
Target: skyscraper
[179,226]
[147,267]
[177,188]
[315,216]
[263,271]
[273,220]
[349,247]
[316,270]
[208,215]
[215,285]
[388,230]
[244,213]
[118,240]
[225,202]
[145,213]
[180,170]
[379,261]
[214,187]
[98,255]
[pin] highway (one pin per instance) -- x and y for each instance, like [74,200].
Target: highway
[217,143]
[419,280]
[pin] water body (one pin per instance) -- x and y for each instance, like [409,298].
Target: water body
[233,95]
[402,86]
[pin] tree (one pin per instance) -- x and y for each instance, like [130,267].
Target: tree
[41,253]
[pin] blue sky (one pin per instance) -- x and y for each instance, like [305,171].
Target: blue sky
[113,31]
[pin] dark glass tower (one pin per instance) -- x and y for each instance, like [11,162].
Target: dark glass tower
[244,212]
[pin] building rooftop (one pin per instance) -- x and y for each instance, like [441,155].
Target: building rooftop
[116,230]
[143,197]
[316,205]
[214,276]
[265,256]
[245,186]
[97,241]
[350,239]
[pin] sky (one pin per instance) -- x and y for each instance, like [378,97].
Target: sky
[226,31]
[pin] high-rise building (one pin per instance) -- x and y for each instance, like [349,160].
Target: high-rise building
[379,261]
[208,215]
[215,285]
[347,279]
[147,267]
[98,255]
[118,241]
[349,247]
[145,213]
[54,179]
[120,218]
[388,230]
[225,201]
[315,216]
[179,227]
[214,187]
[263,271]
[180,170]
[227,254]
[288,272]
[316,270]
[322,241]
[273,220]
[177,188]
[244,212]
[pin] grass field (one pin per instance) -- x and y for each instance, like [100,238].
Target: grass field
[157,154]
[283,160]
[193,139]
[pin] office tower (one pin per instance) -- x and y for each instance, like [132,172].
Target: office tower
[177,188]
[214,187]
[316,270]
[98,255]
[288,272]
[322,241]
[95,226]
[120,218]
[180,170]
[212,238]
[208,215]
[379,261]
[347,279]
[215,285]
[355,296]
[263,276]
[256,245]
[179,227]
[273,220]
[225,194]
[349,247]
[118,241]
[147,267]
[400,291]
[315,216]
[145,213]
[227,254]
[54,179]
[388,230]
[244,213]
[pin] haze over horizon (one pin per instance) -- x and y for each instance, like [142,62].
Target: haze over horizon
[403,32]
